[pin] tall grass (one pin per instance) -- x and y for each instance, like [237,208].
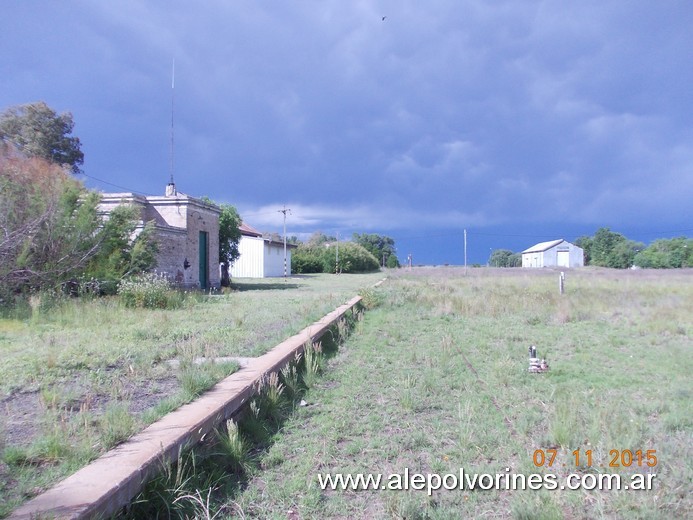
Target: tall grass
[436,379]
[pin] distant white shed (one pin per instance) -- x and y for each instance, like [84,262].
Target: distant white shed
[260,257]
[555,253]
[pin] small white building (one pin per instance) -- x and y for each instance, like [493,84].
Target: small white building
[555,253]
[260,257]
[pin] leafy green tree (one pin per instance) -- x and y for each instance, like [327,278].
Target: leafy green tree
[229,234]
[623,254]
[504,258]
[380,246]
[392,262]
[609,249]
[666,254]
[119,255]
[603,245]
[36,130]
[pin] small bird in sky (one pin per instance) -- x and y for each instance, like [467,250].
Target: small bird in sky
[383,19]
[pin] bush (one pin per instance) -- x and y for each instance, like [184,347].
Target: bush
[392,262]
[49,221]
[306,259]
[353,258]
[151,291]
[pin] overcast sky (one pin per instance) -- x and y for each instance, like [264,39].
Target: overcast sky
[519,120]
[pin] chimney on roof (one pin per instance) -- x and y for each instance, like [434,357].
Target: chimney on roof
[171,189]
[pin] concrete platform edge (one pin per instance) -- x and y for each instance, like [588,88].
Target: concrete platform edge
[111,481]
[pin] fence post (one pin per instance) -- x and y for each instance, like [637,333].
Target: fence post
[561,282]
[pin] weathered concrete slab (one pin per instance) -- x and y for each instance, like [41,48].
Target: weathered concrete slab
[242,361]
[112,481]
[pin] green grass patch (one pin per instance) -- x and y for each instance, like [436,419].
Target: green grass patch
[435,378]
[79,376]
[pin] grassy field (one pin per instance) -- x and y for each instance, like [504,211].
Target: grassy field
[78,377]
[435,379]
[432,379]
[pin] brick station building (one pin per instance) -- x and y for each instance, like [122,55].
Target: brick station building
[186,230]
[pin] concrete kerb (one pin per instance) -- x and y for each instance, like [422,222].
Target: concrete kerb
[110,482]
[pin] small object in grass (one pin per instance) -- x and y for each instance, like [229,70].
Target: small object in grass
[536,365]
[303,403]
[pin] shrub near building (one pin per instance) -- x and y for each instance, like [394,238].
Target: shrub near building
[324,258]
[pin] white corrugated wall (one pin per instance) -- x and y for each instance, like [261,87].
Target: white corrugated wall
[251,263]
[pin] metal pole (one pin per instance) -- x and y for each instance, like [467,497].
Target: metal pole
[284,211]
[465,252]
[284,246]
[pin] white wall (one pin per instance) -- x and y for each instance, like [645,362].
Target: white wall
[532,260]
[260,259]
[274,259]
[549,258]
[251,262]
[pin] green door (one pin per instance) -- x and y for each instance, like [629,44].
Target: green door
[203,260]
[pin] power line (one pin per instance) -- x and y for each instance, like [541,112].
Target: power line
[116,185]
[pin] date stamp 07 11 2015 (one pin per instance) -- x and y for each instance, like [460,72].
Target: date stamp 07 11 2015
[617,458]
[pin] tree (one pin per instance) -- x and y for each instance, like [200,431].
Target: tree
[318,238]
[119,255]
[380,246]
[51,231]
[623,254]
[229,234]
[609,249]
[49,223]
[666,254]
[229,237]
[36,130]
[392,262]
[505,258]
[603,244]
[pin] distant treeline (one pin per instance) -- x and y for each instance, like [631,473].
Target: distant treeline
[610,249]
[607,248]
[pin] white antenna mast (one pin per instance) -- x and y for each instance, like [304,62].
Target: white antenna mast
[173,85]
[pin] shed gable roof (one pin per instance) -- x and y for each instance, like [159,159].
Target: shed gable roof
[543,246]
[248,230]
